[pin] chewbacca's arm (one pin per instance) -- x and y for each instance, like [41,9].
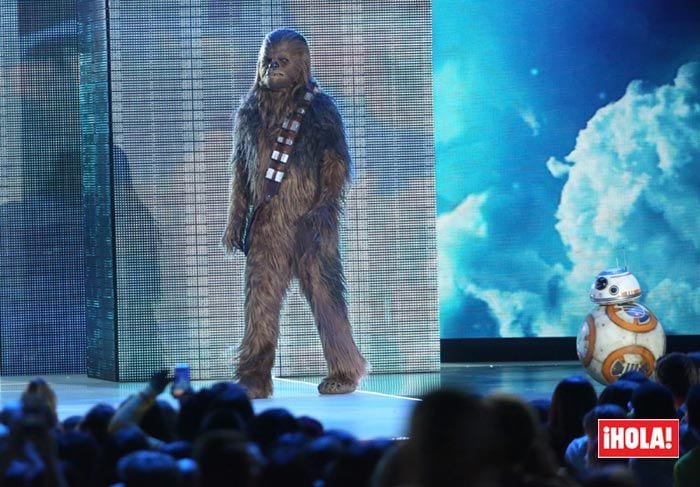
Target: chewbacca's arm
[334,173]
[322,221]
[238,201]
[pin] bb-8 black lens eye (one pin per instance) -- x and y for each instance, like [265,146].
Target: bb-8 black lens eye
[601,283]
[613,289]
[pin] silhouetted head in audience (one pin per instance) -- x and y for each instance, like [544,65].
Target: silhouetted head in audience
[284,467]
[232,396]
[29,445]
[193,408]
[96,421]
[80,453]
[225,458]
[71,423]
[590,427]
[345,438]
[225,404]
[695,358]
[677,372]
[37,413]
[522,449]
[541,407]
[269,425]
[148,469]
[310,427]
[602,411]
[572,398]
[39,388]
[122,442]
[222,419]
[693,410]
[318,454]
[653,401]
[291,441]
[612,476]
[451,439]
[393,468]
[160,421]
[619,393]
[355,465]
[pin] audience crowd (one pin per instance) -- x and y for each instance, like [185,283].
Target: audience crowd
[214,438]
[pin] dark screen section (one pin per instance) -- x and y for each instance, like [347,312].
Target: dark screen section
[42,293]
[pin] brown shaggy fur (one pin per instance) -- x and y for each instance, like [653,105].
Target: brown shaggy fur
[295,235]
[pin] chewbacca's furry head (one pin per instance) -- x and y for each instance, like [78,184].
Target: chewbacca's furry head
[298,49]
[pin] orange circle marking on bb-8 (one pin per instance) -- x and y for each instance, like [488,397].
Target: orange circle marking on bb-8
[619,355]
[635,325]
[590,341]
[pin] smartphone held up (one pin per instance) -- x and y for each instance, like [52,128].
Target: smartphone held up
[181,380]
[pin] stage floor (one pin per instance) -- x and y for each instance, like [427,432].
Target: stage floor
[380,408]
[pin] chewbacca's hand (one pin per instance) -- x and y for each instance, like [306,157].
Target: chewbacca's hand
[229,241]
[320,219]
[316,224]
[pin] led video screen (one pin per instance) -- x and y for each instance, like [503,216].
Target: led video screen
[159,85]
[567,141]
[42,295]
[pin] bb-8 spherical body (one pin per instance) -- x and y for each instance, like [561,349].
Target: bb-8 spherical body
[619,335]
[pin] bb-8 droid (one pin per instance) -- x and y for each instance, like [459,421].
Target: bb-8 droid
[619,334]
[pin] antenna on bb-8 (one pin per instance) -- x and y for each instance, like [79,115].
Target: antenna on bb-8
[624,257]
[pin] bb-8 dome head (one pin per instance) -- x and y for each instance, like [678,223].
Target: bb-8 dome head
[613,286]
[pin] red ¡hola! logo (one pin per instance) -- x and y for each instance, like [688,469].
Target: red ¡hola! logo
[638,438]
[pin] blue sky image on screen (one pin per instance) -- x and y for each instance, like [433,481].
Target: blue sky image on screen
[567,141]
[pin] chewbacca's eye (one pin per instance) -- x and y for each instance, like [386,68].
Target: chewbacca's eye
[284,61]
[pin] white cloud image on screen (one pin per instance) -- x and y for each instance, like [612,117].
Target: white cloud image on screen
[633,183]
[631,191]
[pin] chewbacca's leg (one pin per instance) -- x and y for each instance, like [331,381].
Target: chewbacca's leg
[267,275]
[323,284]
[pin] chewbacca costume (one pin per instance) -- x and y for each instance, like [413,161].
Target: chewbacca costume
[294,230]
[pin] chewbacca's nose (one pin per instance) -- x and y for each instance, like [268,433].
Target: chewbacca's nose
[274,64]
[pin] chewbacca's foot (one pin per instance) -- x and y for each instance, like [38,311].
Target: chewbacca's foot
[335,385]
[256,390]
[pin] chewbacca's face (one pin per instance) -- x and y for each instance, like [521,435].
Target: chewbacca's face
[281,66]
